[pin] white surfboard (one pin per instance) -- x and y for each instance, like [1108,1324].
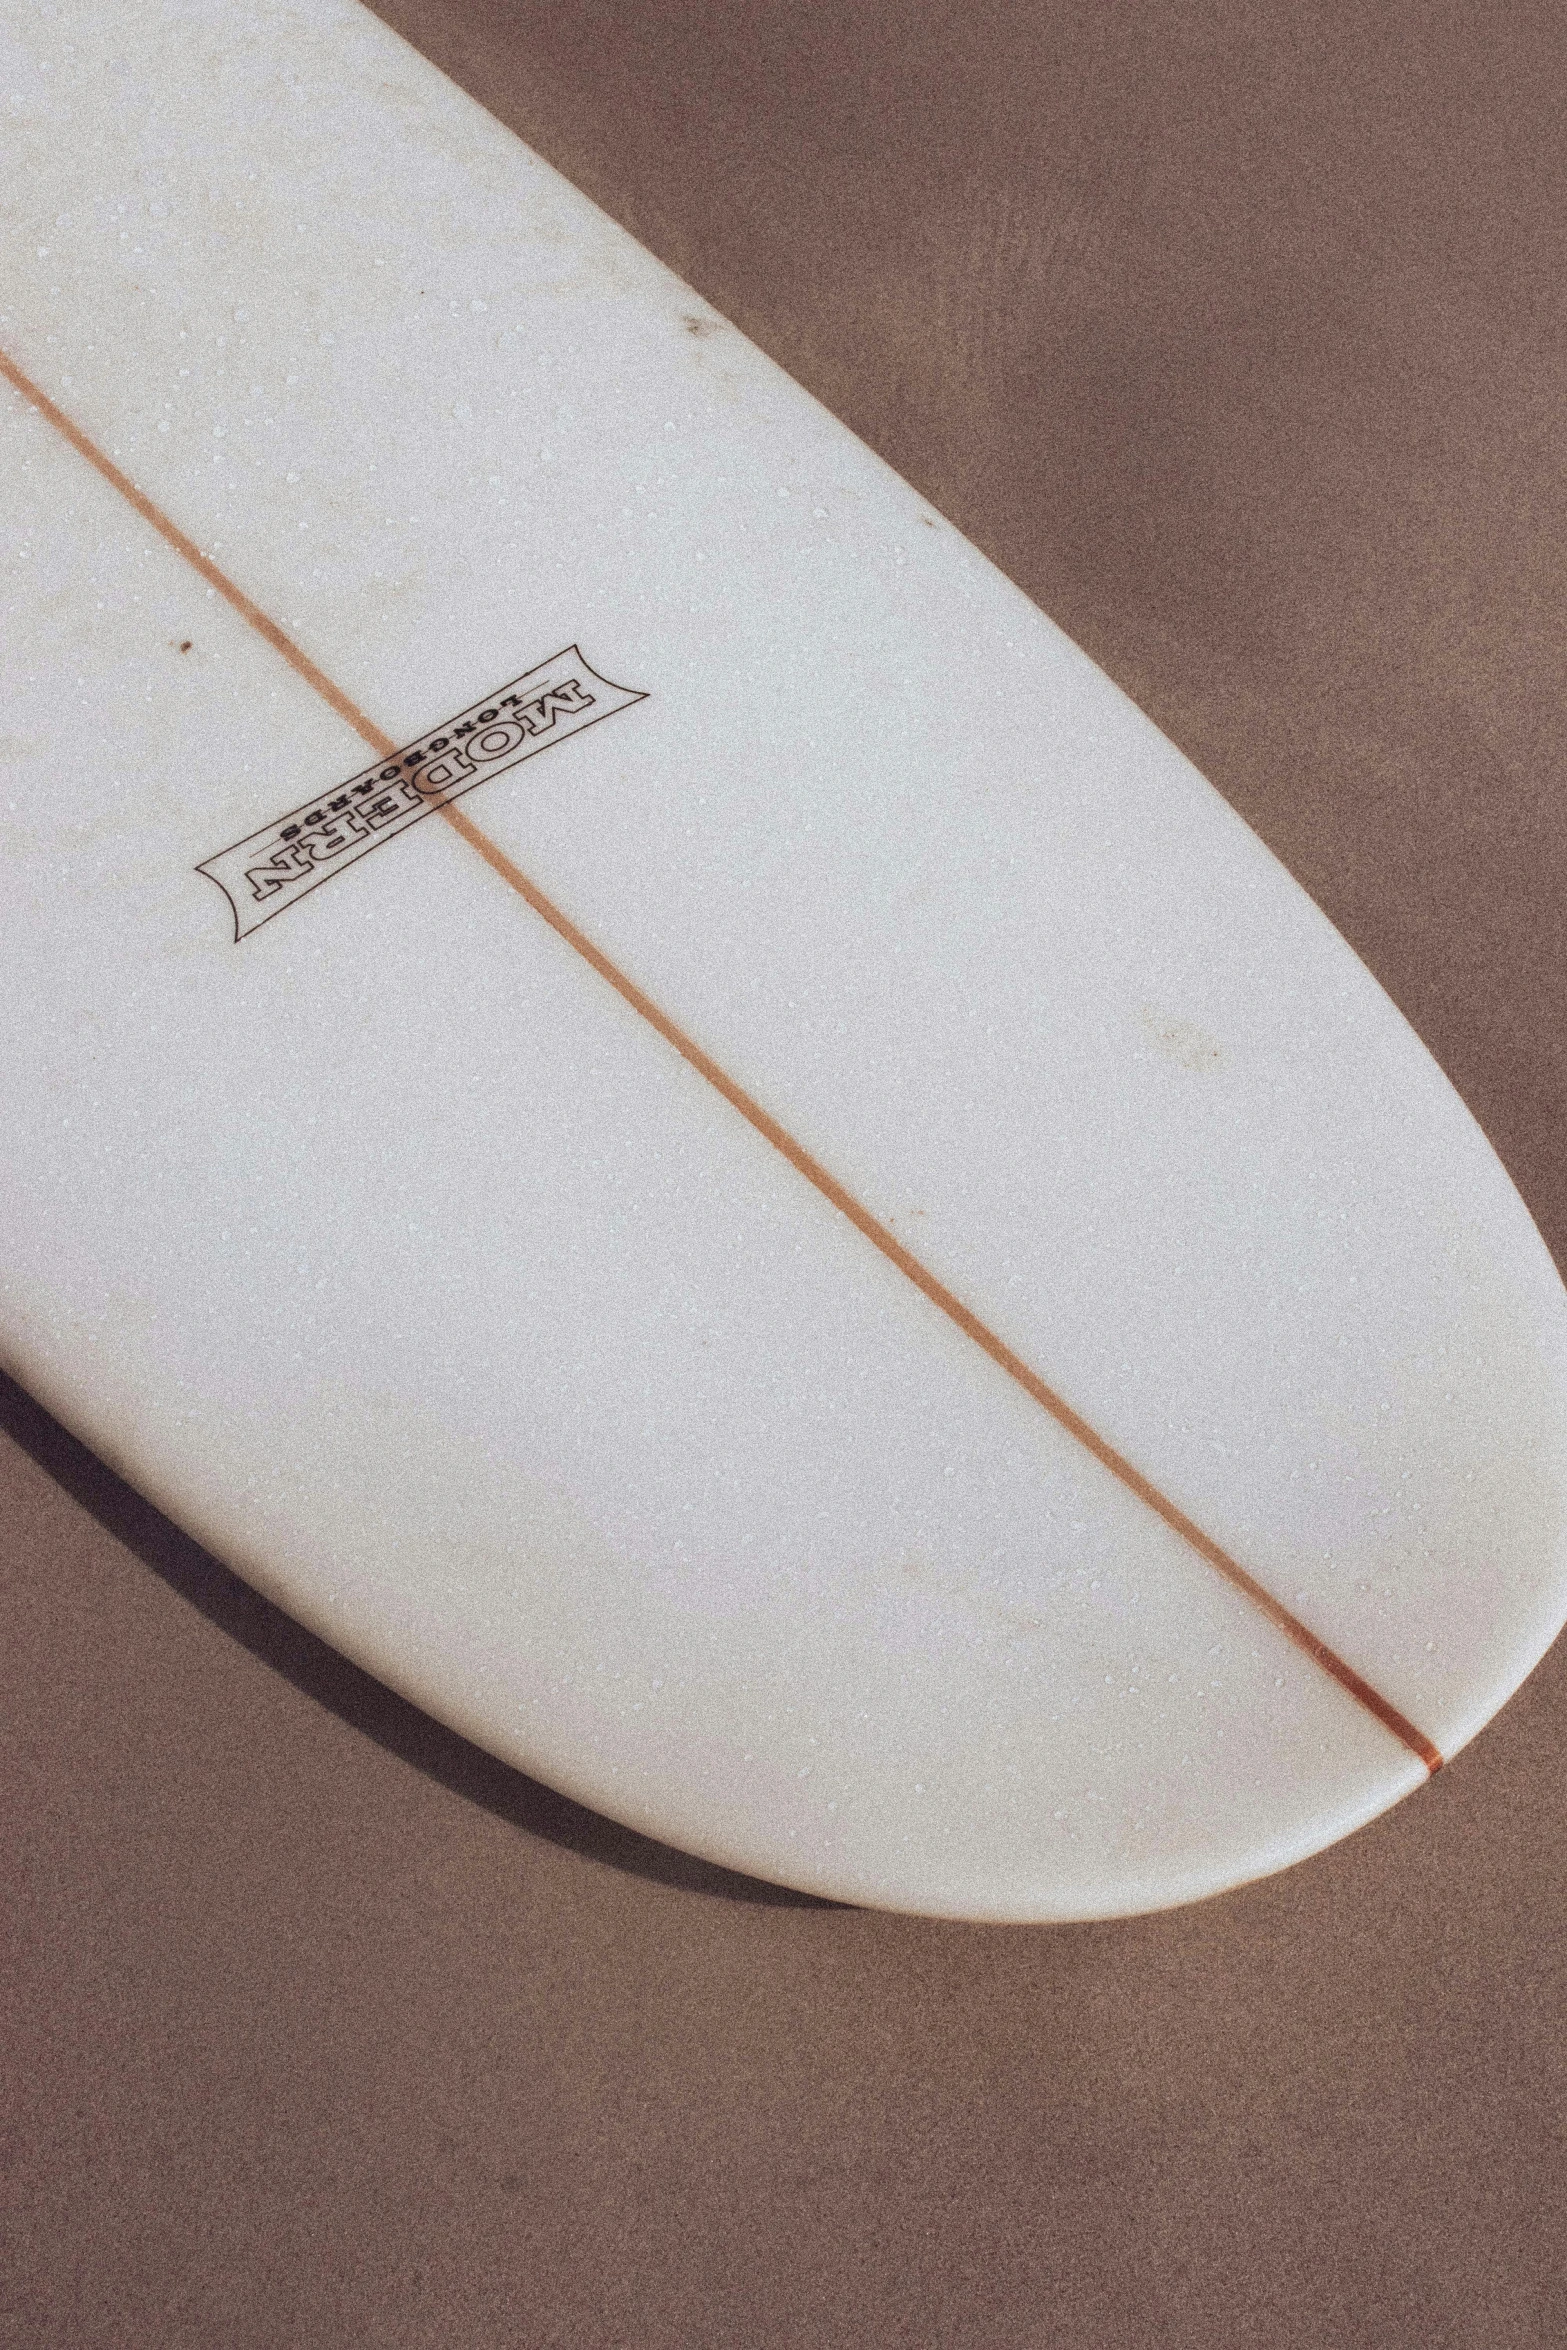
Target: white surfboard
[644,1097]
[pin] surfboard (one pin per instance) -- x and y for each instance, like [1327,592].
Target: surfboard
[644,1097]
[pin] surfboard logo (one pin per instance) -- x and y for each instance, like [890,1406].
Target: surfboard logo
[271,870]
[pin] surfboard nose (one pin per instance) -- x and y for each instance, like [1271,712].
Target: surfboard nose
[845,1267]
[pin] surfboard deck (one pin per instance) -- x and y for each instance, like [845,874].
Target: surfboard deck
[829,1256]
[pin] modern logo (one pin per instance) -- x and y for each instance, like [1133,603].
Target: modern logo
[275,868]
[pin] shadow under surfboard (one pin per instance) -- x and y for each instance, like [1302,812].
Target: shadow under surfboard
[349,1692]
